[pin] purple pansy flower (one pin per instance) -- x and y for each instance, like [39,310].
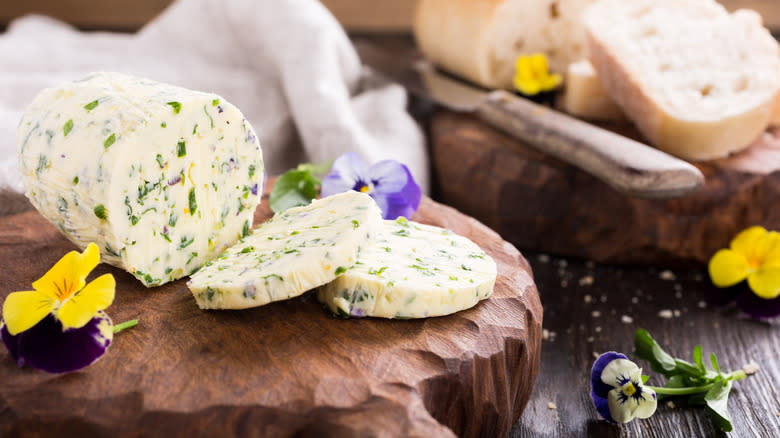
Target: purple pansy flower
[47,347]
[389,182]
[617,389]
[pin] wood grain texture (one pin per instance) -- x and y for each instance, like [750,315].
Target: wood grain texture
[540,203]
[285,369]
[572,290]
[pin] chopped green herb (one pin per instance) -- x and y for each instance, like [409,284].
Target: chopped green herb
[164,125]
[193,202]
[67,127]
[195,129]
[379,271]
[43,164]
[181,148]
[168,270]
[160,161]
[100,212]
[465,268]
[90,106]
[266,277]
[109,141]
[192,256]
[172,219]
[248,249]
[215,102]
[402,232]
[111,251]
[62,205]
[355,223]
[134,220]
[402,221]
[245,230]
[209,116]
[294,233]
[290,250]
[176,107]
[252,170]
[340,270]
[75,180]
[186,241]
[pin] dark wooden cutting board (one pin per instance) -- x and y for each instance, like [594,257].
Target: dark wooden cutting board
[542,204]
[285,369]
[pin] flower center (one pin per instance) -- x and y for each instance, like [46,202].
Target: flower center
[628,389]
[64,290]
[364,187]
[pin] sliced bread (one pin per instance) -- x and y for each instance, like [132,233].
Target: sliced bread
[480,40]
[698,82]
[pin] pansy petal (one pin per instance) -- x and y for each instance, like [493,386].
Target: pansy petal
[599,387]
[728,268]
[745,242]
[22,310]
[757,307]
[648,403]
[395,201]
[620,408]
[69,273]
[49,348]
[80,308]
[617,371]
[602,406]
[347,170]
[388,176]
[772,256]
[765,283]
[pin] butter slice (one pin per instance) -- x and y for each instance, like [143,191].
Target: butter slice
[295,251]
[412,271]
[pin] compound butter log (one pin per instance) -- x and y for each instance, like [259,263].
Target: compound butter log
[288,368]
[161,178]
[542,204]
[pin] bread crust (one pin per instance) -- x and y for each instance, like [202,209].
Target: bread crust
[453,34]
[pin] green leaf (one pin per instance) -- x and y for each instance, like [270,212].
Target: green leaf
[660,361]
[318,170]
[293,189]
[717,400]
[697,354]
[714,361]
[645,377]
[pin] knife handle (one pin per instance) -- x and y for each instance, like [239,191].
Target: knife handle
[626,165]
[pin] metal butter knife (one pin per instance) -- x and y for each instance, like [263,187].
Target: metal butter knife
[627,165]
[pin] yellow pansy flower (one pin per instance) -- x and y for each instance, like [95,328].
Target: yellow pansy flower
[532,75]
[754,254]
[63,293]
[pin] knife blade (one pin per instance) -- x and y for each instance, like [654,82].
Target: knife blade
[626,165]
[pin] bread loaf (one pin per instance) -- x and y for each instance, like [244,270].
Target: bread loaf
[698,82]
[481,40]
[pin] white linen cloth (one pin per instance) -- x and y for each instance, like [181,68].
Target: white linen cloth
[287,65]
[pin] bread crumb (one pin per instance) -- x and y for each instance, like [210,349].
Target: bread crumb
[702,304]
[543,258]
[678,295]
[596,355]
[586,280]
[626,319]
[666,314]
[590,339]
[678,287]
[670,404]
[603,299]
[563,263]
[551,405]
[548,335]
[590,264]
[587,298]
[676,313]
[595,313]
[667,275]
[750,368]
[634,300]
[564,282]
[597,329]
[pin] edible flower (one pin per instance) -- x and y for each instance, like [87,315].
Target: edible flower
[389,182]
[532,75]
[754,255]
[618,391]
[620,394]
[60,326]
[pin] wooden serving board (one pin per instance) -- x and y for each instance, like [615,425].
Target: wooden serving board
[285,369]
[542,204]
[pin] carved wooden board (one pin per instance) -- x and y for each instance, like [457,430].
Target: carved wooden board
[285,369]
[539,203]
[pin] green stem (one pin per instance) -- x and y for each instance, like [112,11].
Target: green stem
[688,390]
[125,325]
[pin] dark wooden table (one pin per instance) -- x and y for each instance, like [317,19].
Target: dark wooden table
[590,309]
